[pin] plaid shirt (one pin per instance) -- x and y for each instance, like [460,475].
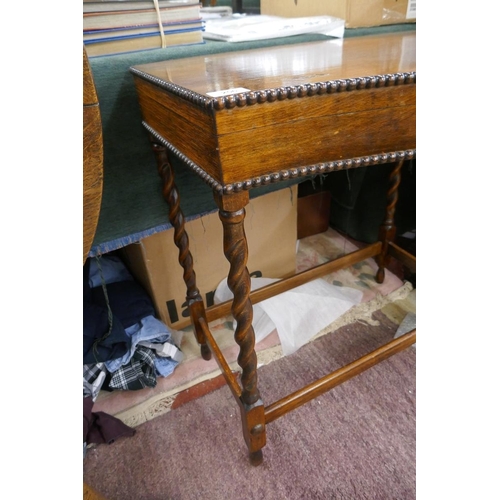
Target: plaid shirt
[138,373]
[93,378]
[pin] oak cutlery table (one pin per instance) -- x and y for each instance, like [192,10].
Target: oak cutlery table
[244,119]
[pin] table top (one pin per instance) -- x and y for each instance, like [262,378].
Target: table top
[291,65]
[269,114]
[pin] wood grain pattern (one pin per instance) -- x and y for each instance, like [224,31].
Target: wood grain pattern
[181,120]
[379,119]
[92,158]
[318,139]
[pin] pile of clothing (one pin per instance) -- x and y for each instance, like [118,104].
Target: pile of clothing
[125,347]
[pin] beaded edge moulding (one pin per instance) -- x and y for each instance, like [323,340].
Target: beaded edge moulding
[271,95]
[283,175]
[280,93]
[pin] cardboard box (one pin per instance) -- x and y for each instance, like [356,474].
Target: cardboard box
[271,231]
[313,214]
[356,13]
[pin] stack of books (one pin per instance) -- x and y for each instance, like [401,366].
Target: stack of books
[119,26]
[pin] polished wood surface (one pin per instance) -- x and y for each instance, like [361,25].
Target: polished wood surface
[361,87]
[299,110]
[92,157]
[291,65]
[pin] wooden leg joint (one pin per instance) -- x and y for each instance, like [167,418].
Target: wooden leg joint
[254,429]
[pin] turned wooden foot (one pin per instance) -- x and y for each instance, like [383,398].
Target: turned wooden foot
[380,276]
[256,457]
[206,353]
[254,429]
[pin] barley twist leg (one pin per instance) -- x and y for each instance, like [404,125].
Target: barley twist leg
[387,230]
[236,252]
[176,217]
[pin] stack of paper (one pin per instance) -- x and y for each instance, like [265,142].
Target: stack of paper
[262,27]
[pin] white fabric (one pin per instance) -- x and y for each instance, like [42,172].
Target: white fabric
[298,314]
